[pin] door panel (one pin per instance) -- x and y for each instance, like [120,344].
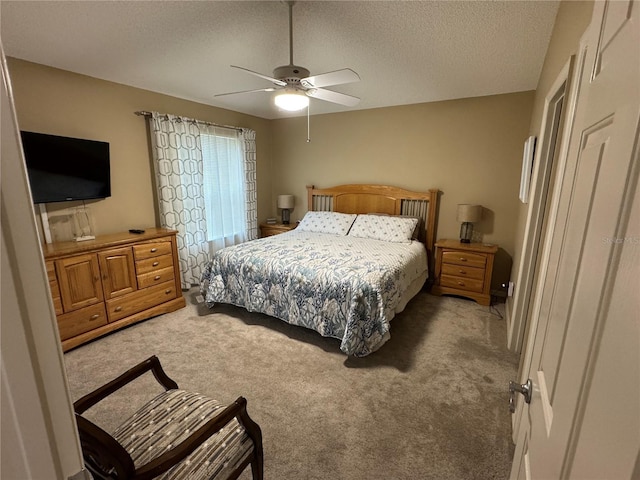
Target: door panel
[586,183]
[118,272]
[79,281]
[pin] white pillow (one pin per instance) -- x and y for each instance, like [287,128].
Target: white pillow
[386,228]
[334,223]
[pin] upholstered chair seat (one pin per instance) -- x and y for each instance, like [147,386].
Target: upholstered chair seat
[177,435]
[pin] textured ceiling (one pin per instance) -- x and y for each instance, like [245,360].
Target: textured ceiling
[404,51]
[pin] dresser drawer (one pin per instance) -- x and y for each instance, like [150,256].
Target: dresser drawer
[150,279]
[152,249]
[463,271]
[81,321]
[465,258]
[460,283]
[154,264]
[121,307]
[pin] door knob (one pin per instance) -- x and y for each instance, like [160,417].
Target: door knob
[524,389]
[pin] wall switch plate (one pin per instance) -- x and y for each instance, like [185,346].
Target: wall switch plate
[510,289]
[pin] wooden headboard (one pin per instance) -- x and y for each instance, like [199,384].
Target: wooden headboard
[367,198]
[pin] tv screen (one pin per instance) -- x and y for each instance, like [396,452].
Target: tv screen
[62,169]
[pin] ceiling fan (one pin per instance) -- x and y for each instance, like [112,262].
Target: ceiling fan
[297,85]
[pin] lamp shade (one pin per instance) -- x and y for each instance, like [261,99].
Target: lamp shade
[286,201]
[469,213]
[291,100]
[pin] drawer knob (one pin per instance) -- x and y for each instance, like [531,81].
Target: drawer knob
[157,277]
[462,259]
[155,264]
[463,272]
[167,291]
[153,250]
[461,284]
[117,309]
[94,317]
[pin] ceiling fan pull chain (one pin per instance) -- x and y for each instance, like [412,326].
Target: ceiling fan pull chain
[308,129]
[290,32]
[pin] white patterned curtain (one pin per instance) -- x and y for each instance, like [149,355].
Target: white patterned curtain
[248,141]
[182,197]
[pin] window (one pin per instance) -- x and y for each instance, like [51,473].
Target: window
[224,187]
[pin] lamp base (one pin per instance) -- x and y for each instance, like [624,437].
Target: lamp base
[466,232]
[285,216]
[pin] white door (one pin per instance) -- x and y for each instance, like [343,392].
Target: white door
[582,356]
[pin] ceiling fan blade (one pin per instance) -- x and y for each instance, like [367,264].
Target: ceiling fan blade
[266,77]
[346,75]
[334,97]
[270,89]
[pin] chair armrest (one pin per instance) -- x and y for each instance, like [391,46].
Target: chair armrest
[171,457]
[152,363]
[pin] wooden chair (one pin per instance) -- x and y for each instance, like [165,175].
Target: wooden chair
[176,435]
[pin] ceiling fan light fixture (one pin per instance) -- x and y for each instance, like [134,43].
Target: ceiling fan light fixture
[291,100]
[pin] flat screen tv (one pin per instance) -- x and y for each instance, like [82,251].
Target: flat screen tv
[62,169]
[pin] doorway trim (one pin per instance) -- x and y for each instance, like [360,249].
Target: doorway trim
[552,129]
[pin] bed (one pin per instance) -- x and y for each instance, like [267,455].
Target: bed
[356,259]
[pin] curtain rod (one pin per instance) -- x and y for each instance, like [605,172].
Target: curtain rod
[143,113]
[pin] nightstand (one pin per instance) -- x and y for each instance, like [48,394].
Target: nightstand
[268,229]
[464,269]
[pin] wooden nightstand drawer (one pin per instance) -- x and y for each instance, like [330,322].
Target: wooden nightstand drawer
[464,258]
[268,229]
[468,284]
[462,271]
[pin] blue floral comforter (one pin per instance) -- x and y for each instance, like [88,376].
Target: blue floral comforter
[343,287]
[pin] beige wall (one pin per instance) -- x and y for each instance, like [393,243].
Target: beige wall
[58,102]
[571,21]
[470,149]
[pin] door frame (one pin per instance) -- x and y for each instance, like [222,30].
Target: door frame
[533,235]
[568,79]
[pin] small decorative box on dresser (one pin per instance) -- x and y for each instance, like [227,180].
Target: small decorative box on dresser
[101,285]
[464,269]
[268,229]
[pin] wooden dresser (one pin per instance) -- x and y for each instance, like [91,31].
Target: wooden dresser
[101,285]
[464,269]
[268,229]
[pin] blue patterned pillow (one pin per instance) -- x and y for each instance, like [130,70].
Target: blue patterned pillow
[386,228]
[334,223]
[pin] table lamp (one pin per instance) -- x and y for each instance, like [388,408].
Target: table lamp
[286,203]
[468,214]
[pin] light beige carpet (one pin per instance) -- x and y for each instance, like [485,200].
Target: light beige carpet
[430,404]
